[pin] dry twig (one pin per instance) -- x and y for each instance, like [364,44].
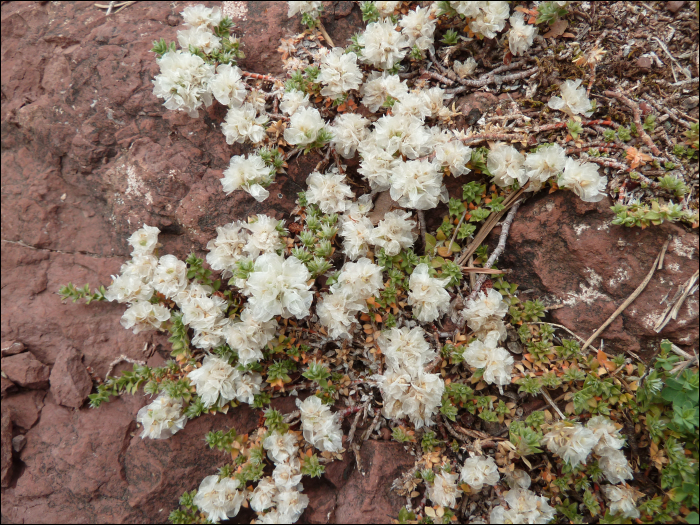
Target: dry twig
[629,300]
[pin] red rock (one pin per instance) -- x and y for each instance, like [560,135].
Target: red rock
[70,381]
[7,386]
[473,106]
[644,62]
[12,348]
[26,370]
[567,252]
[369,498]
[5,449]
[25,407]
[674,7]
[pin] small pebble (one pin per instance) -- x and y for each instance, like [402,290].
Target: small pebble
[18,443]
[674,7]
[644,63]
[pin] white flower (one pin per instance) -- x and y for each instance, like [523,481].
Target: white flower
[311,8]
[219,500]
[518,479]
[329,191]
[406,348]
[496,361]
[418,28]
[467,9]
[293,100]
[203,313]
[607,433]
[524,507]
[395,232]
[411,105]
[339,73]
[491,324]
[320,426]
[479,471]
[570,441]
[144,240]
[434,99]
[183,81]
[263,495]
[427,295]
[200,37]
[142,315]
[337,312]
[212,336]
[193,291]
[545,163]
[162,418]
[280,447]
[359,280]
[506,165]
[241,124]
[278,286]
[386,8]
[413,394]
[304,127]
[584,180]
[250,174]
[170,277]
[444,490]
[377,165]
[404,133]
[199,15]
[573,99]
[358,209]
[128,289]
[227,86]
[383,46]
[292,504]
[614,465]
[466,68]
[622,499]
[214,380]
[486,306]
[349,130]
[491,18]
[378,87]
[248,337]
[287,474]
[142,266]
[521,34]
[248,386]
[227,249]
[454,155]
[357,236]
[263,236]
[418,184]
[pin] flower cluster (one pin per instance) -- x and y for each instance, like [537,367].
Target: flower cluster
[485,314]
[357,282]
[250,174]
[218,383]
[427,295]
[162,418]
[478,471]
[524,506]
[495,360]
[573,443]
[220,499]
[573,100]
[320,426]
[407,390]
[280,495]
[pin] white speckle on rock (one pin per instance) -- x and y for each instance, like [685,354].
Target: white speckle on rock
[235,10]
[593,278]
[620,275]
[651,319]
[674,267]
[135,186]
[588,295]
[681,249]
[579,228]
